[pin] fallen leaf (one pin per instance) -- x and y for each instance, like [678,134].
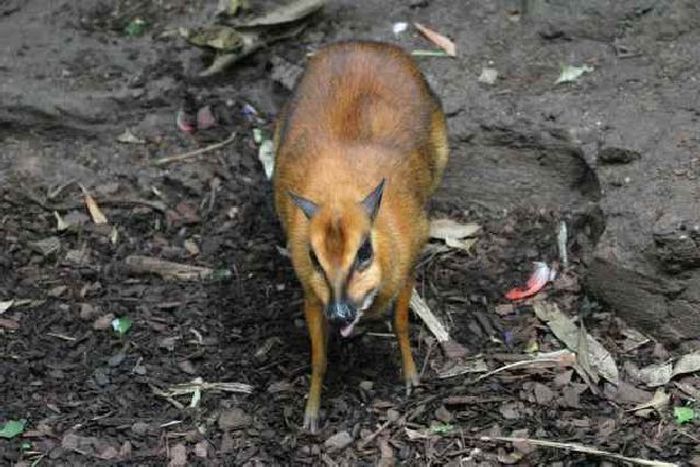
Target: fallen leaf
[231,7]
[466,244]
[219,37]
[461,368]
[287,13]
[4,306]
[61,224]
[689,363]
[566,331]
[654,375]
[572,73]
[12,429]
[444,229]
[128,137]
[266,156]
[93,208]
[660,401]
[683,414]
[438,39]
[339,441]
[46,246]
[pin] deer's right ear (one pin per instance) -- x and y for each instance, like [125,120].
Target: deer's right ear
[308,207]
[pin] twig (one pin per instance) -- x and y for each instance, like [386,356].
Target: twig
[371,437]
[61,336]
[559,358]
[576,448]
[423,311]
[196,152]
[169,270]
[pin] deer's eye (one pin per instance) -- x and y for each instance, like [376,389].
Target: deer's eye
[364,255]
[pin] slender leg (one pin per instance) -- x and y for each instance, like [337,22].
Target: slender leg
[401,329]
[317,325]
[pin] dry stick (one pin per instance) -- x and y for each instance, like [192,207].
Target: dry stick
[517,365]
[371,437]
[576,448]
[422,310]
[196,152]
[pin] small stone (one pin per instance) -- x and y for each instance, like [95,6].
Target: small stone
[57,291]
[108,453]
[116,360]
[104,322]
[140,428]
[70,441]
[88,311]
[234,419]
[443,414]
[200,449]
[125,450]
[78,257]
[338,441]
[509,411]
[505,309]
[101,377]
[393,415]
[227,443]
[543,395]
[366,385]
[187,367]
[178,456]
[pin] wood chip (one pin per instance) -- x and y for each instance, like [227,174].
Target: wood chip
[438,39]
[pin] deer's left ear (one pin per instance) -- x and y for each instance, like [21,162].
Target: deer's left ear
[373,200]
[308,207]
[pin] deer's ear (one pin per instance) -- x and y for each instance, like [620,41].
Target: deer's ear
[373,200]
[308,207]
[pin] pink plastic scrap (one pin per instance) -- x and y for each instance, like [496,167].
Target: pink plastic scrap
[539,278]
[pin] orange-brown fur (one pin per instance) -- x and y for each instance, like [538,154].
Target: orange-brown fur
[362,112]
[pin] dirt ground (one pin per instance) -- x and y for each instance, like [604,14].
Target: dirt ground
[73,82]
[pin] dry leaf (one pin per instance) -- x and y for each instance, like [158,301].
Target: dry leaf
[660,401]
[438,39]
[444,229]
[61,225]
[286,13]
[689,363]
[465,244]
[655,375]
[4,306]
[93,208]
[567,332]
